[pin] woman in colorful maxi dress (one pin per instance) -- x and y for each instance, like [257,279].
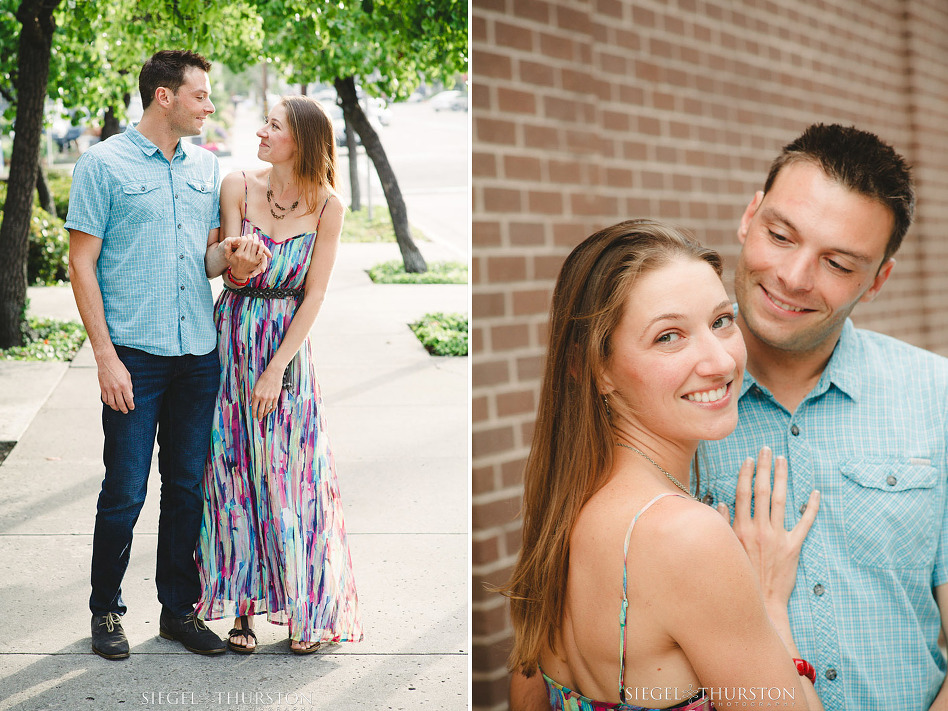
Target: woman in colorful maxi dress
[273,538]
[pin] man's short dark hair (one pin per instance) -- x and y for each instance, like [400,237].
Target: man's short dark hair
[166,68]
[861,162]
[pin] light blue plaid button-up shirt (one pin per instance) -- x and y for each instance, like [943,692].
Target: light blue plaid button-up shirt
[153,218]
[871,436]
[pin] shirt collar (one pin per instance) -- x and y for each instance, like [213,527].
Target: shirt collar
[842,370]
[147,147]
[843,367]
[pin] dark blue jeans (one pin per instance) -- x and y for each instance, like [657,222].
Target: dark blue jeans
[174,396]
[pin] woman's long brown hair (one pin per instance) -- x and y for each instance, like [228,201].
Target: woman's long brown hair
[315,164]
[573,442]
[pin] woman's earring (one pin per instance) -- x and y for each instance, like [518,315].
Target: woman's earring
[605,401]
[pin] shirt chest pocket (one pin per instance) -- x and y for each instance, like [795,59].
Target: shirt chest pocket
[199,202]
[891,509]
[142,201]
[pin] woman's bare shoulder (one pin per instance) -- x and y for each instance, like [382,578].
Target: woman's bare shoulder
[688,531]
[673,531]
[334,203]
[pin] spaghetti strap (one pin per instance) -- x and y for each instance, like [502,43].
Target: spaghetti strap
[625,591]
[320,218]
[244,216]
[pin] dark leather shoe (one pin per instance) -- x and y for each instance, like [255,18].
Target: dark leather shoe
[108,637]
[191,632]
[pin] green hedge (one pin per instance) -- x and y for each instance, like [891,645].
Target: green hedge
[48,261]
[47,339]
[59,182]
[59,185]
[442,334]
[48,257]
[393,272]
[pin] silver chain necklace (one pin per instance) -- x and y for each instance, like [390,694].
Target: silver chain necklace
[672,479]
[271,202]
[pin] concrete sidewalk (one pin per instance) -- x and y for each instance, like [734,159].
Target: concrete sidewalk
[398,422]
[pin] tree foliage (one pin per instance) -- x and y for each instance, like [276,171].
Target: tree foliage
[102,46]
[391,45]
[99,47]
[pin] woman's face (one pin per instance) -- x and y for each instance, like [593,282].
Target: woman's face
[276,143]
[677,354]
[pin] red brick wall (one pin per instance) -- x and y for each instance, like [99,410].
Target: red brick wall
[586,112]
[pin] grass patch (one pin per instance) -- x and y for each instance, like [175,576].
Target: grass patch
[48,339]
[442,334]
[393,272]
[359,228]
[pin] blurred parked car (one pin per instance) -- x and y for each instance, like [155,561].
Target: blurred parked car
[339,123]
[379,110]
[66,138]
[66,127]
[451,100]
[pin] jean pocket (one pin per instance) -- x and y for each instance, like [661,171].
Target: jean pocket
[890,508]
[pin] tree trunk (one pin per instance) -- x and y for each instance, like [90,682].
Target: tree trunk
[345,88]
[42,190]
[110,124]
[353,151]
[36,35]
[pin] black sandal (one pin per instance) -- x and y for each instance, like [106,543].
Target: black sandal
[307,650]
[242,631]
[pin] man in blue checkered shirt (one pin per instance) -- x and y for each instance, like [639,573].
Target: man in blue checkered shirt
[143,226]
[859,416]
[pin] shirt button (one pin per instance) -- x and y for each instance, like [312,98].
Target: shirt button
[182,287]
[793,430]
[176,196]
[143,188]
[891,480]
[818,590]
[803,509]
[180,256]
[831,674]
[179,225]
[182,318]
[707,499]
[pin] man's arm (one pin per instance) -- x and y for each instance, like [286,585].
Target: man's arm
[528,693]
[941,597]
[215,257]
[114,380]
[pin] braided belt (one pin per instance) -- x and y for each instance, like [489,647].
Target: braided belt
[255,292]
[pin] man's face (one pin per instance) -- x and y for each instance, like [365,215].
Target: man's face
[812,250]
[191,104]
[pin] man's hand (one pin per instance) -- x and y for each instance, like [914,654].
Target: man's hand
[246,256]
[116,385]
